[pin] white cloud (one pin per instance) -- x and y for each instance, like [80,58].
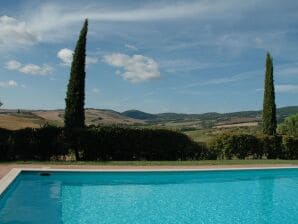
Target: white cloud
[66,55]
[29,68]
[13,65]
[14,32]
[183,65]
[137,68]
[95,90]
[286,88]
[223,80]
[131,47]
[91,60]
[35,25]
[8,84]
[36,69]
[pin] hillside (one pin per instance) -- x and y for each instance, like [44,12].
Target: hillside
[136,114]
[14,119]
[249,115]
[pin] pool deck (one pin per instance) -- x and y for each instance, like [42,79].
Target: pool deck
[6,167]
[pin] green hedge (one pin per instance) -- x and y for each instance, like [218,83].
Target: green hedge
[290,147]
[118,143]
[242,146]
[121,143]
[103,143]
[32,144]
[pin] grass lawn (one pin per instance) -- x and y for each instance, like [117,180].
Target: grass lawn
[161,163]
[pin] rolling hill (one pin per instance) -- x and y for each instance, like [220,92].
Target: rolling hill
[16,119]
[256,115]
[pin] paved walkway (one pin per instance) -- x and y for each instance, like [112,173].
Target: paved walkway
[6,167]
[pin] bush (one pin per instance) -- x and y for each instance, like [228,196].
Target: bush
[32,144]
[290,147]
[4,143]
[100,143]
[119,143]
[50,143]
[289,126]
[241,146]
[272,146]
[122,143]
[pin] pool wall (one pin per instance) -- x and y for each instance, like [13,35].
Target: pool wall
[13,173]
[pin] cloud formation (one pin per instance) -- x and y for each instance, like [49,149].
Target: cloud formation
[137,68]
[286,88]
[15,33]
[8,84]
[66,55]
[31,69]
[131,47]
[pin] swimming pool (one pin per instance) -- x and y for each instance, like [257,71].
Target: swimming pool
[230,196]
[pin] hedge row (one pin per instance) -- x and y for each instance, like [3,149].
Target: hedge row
[242,146]
[119,143]
[103,143]
[32,144]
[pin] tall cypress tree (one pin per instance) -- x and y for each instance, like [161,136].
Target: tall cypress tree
[74,118]
[269,107]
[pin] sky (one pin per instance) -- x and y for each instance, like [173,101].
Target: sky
[155,56]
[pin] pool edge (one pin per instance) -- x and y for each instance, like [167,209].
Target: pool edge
[7,180]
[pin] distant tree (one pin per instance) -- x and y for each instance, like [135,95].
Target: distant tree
[74,118]
[269,107]
[1,103]
[289,126]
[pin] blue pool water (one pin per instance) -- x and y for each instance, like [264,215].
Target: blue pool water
[251,196]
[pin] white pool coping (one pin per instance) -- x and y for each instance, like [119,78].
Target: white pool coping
[13,173]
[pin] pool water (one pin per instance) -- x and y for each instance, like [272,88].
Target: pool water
[246,196]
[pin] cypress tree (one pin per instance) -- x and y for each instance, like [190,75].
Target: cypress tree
[269,107]
[74,118]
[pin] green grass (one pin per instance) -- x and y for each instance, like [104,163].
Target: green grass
[206,135]
[201,135]
[161,163]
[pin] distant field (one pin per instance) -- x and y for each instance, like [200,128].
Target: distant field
[13,119]
[205,135]
[199,127]
[247,124]
[13,122]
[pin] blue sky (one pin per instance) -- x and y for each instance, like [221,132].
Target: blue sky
[155,56]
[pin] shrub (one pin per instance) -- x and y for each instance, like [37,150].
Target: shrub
[272,146]
[246,145]
[290,147]
[120,143]
[289,126]
[32,144]
[236,145]
[4,143]
[100,143]
[50,143]
[218,147]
